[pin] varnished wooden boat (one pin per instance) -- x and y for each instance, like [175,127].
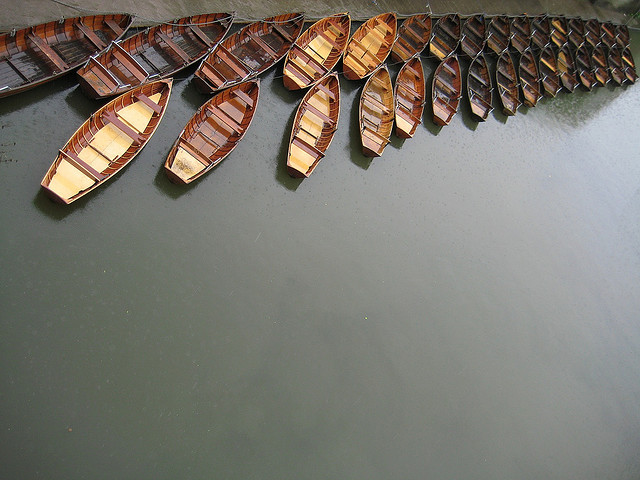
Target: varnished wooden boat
[607,34]
[499,33]
[316,51]
[622,36]
[629,65]
[410,95]
[592,32]
[479,88]
[584,68]
[445,36]
[567,69]
[576,34]
[376,112]
[616,70]
[369,46]
[413,35]
[107,141]
[540,31]
[213,132]
[507,82]
[529,79]
[157,52]
[248,52]
[521,32]
[38,54]
[559,31]
[446,90]
[314,126]
[548,68]
[600,66]
[474,35]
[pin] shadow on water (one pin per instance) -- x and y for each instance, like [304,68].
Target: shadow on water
[57,211]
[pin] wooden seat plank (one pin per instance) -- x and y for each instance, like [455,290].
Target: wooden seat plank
[322,116]
[173,46]
[148,102]
[224,118]
[111,117]
[114,26]
[307,147]
[103,73]
[82,166]
[244,97]
[15,66]
[194,152]
[323,88]
[131,63]
[264,45]
[48,51]
[283,33]
[90,35]
[197,31]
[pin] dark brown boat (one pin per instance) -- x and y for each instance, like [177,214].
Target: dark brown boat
[616,70]
[157,52]
[479,88]
[629,65]
[584,68]
[600,66]
[529,79]
[369,46]
[521,33]
[376,112]
[474,35]
[410,96]
[248,52]
[316,51]
[499,33]
[35,55]
[540,31]
[548,68]
[413,35]
[507,82]
[213,132]
[314,126]
[559,31]
[576,33]
[446,90]
[607,34]
[567,69]
[107,142]
[592,32]
[445,36]
[622,36]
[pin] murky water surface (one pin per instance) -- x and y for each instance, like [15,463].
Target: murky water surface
[464,307]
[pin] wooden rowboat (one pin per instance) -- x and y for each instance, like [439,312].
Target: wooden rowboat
[413,35]
[479,88]
[600,66]
[616,70]
[540,31]
[474,35]
[157,52]
[107,141]
[369,46]
[576,35]
[592,32]
[410,95]
[249,52]
[445,36]
[446,90]
[629,65]
[499,33]
[567,69]
[520,33]
[38,54]
[559,31]
[584,68]
[548,68]
[316,51]
[213,132]
[529,79]
[314,126]
[376,112]
[622,36]
[607,34]
[507,83]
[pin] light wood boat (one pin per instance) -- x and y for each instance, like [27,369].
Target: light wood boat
[446,90]
[576,34]
[213,132]
[507,83]
[474,35]
[316,51]
[410,95]
[248,52]
[592,32]
[540,31]
[520,33]
[479,88]
[559,31]
[548,68]
[600,66]
[314,126]
[369,46]
[155,53]
[445,36]
[567,69]
[622,36]
[413,35]
[376,112]
[607,34]
[529,79]
[35,55]
[629,65]
[584,68]
[616,70]
[107,141]
[499,33]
